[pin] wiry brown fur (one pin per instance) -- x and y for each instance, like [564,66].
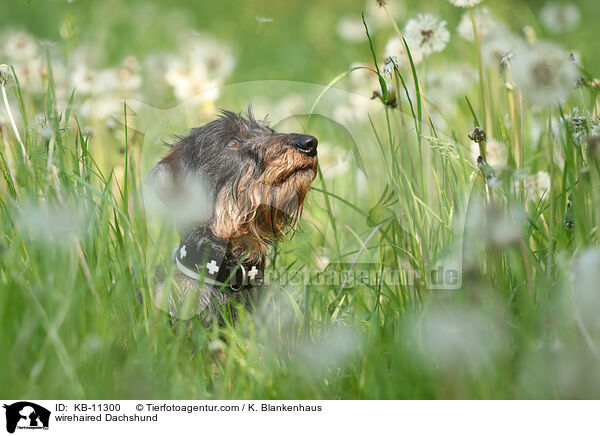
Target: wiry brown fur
[256,211]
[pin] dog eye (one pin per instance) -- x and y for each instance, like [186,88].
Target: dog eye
[234,143]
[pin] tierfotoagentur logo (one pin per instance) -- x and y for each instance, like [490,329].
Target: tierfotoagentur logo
[26,415]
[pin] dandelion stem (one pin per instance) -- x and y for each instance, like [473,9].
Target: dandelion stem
[49,165]
[482,76]
[12,122]
[399,34]
[552,192]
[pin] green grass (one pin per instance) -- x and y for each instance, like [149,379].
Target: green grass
[77,247]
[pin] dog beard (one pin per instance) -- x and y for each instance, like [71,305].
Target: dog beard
[256,211]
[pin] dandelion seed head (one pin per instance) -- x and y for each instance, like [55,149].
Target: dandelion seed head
[390,63]
[578,123]
[493,224]
[586,269]
[332,349]
[537,186]
[5,74]
[560,17]
[594,144]
[377,17]
[465,3]
[20,46]
[395,49]
[336,160]
[264,19]
[40,125]
[51,223]
[458,337]
[128,74]
[205,65]
[506,61]
[445,88]
[426,34]
[499,45]
[485,24]
[351,29]
[544,74]
[85,80]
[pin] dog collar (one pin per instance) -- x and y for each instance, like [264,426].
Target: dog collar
[212,266]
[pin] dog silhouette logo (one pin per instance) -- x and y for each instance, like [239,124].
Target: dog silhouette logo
[26,415]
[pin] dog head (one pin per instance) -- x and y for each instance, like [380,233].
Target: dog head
[253,179]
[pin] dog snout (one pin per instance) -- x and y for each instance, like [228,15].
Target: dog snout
[306,144]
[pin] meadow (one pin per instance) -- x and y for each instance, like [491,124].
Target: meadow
[447,249]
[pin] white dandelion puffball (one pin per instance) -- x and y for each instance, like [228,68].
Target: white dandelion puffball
[206,63]
[537,186]
[378,16]
[351,29]
[19,46]
[465,3]
[426,34]
[560,17]
[544,74]
[395,49]
[500,45]
[484,21]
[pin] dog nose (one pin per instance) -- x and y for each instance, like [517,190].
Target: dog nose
[306,144]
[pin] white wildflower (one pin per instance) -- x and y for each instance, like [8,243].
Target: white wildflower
[289,105]
[578,124]
[445,88]
[215,55]
[264,19]
[465,3]
[362,80]
[544,74]
[452,82]
[85,80]
[20,46]
[333,349]
[537,186]
[426,34]
[351,29]
[128,74]
[395,49]
[586,268]
[356,109]
[41,126]
[207,62]
[102,107]
[29,72]
[390,64]
[458,337]
[5,74]
[377,16]
[560,17]
[484,22]
[334,160]
[51,223]
[499,45]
